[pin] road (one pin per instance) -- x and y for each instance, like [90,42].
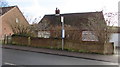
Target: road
[0,54]
[18,57]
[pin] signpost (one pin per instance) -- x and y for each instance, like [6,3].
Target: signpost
[63,32]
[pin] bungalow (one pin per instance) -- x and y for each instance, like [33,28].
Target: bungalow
[72,21]
[9,16]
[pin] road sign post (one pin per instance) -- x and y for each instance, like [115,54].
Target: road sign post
[63,32]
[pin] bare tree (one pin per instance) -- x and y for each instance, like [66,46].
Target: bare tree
[33,27]
[21,29]
[71,33]
[44,25]
[111,18]
[99,28]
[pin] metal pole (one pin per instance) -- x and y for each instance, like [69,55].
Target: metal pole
[62,43]
[63,32]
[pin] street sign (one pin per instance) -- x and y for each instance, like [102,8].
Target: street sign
[62,19]
[63,33]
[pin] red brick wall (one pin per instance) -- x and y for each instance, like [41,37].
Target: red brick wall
[10,18]
[91,47]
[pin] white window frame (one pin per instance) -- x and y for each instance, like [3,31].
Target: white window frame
[88,36]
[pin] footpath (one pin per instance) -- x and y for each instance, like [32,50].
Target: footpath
[97,57]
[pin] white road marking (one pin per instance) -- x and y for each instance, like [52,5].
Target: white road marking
[6,63]
[113,63]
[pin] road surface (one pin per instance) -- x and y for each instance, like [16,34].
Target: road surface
[18,57]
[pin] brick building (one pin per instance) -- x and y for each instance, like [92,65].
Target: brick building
[74,24]
[9,16]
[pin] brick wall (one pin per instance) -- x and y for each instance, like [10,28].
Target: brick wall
[9,19]
[84,46]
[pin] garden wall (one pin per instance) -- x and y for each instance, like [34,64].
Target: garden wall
[84,46]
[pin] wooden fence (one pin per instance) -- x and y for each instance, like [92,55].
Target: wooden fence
[7,40]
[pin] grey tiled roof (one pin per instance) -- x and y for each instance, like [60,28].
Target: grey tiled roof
[72,19]
[4,10]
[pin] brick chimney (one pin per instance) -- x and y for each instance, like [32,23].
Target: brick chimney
[57,12]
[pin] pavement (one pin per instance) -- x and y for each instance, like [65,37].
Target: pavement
[18,57]
[97,57]
[0,55]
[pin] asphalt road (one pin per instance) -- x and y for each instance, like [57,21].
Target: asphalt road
[18,57]
[0,55]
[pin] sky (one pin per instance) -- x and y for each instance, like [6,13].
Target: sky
[39,8]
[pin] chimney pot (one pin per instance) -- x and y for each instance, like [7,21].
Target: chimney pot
[57,11]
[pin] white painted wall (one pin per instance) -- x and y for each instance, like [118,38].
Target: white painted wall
[115,37]
[88,36]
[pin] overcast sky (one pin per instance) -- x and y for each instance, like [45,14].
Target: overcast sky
[38,8]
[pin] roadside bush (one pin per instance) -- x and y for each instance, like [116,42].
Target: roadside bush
[22,35]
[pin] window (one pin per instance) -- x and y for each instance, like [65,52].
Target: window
[17,20]
[44,34]
[88,36]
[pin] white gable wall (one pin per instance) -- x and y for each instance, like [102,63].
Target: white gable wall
[115,38]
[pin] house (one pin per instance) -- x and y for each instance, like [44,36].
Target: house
[9,16]
[72,22]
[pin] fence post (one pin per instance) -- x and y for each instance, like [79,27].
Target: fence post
[4,40]
[7,40]
[10,39]
[29,41]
